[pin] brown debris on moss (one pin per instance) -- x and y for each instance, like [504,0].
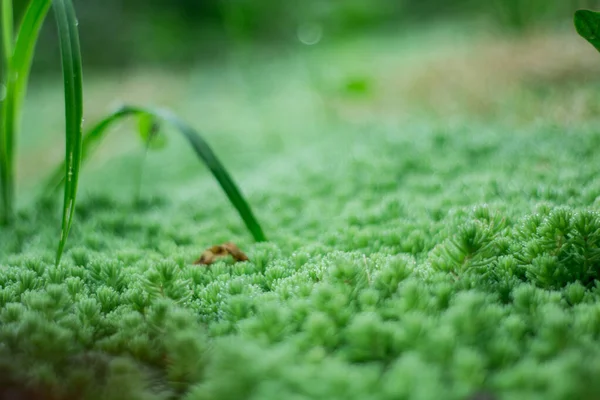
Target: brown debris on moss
[210,255]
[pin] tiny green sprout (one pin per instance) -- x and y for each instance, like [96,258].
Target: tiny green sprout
[150,132]
[587,24]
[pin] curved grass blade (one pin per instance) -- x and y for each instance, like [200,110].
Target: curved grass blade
[18,69]
[587,24]
[202,149]
[205,153]
[73,83]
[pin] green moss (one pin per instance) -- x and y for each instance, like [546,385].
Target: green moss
[437,258]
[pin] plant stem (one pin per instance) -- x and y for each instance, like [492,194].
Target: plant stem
[140,175]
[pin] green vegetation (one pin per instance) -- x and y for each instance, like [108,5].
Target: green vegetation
[18,65]
[432,255]
[436,238]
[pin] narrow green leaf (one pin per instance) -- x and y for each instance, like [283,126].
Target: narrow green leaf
[202,149]
[18,70]
[205,153]
[587,24]
[7,49]
[73,82]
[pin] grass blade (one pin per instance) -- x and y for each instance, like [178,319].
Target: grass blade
[18,69]
[73,83]
[7,44]
[206,154]
[202,149]
[7,30]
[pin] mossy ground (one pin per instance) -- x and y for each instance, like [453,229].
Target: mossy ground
[433,236]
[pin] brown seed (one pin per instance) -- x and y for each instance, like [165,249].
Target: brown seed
[210,255]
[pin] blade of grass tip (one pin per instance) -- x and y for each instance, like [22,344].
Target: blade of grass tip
[18,69]
[201,148]
[73,83]
[215,166]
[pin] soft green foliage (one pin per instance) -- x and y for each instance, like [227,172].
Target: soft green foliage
[18,64]
[427,257]
[164,30]
[426,263]
[587,24]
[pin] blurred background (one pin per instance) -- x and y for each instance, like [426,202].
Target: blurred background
[263,79]
[121,33]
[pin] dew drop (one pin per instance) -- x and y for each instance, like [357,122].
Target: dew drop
[310,34]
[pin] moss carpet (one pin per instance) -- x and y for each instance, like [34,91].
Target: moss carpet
[428,240]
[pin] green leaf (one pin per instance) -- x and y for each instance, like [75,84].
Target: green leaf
[202,149]
[587,24]
[149,131]
[73,83]
[18,69]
